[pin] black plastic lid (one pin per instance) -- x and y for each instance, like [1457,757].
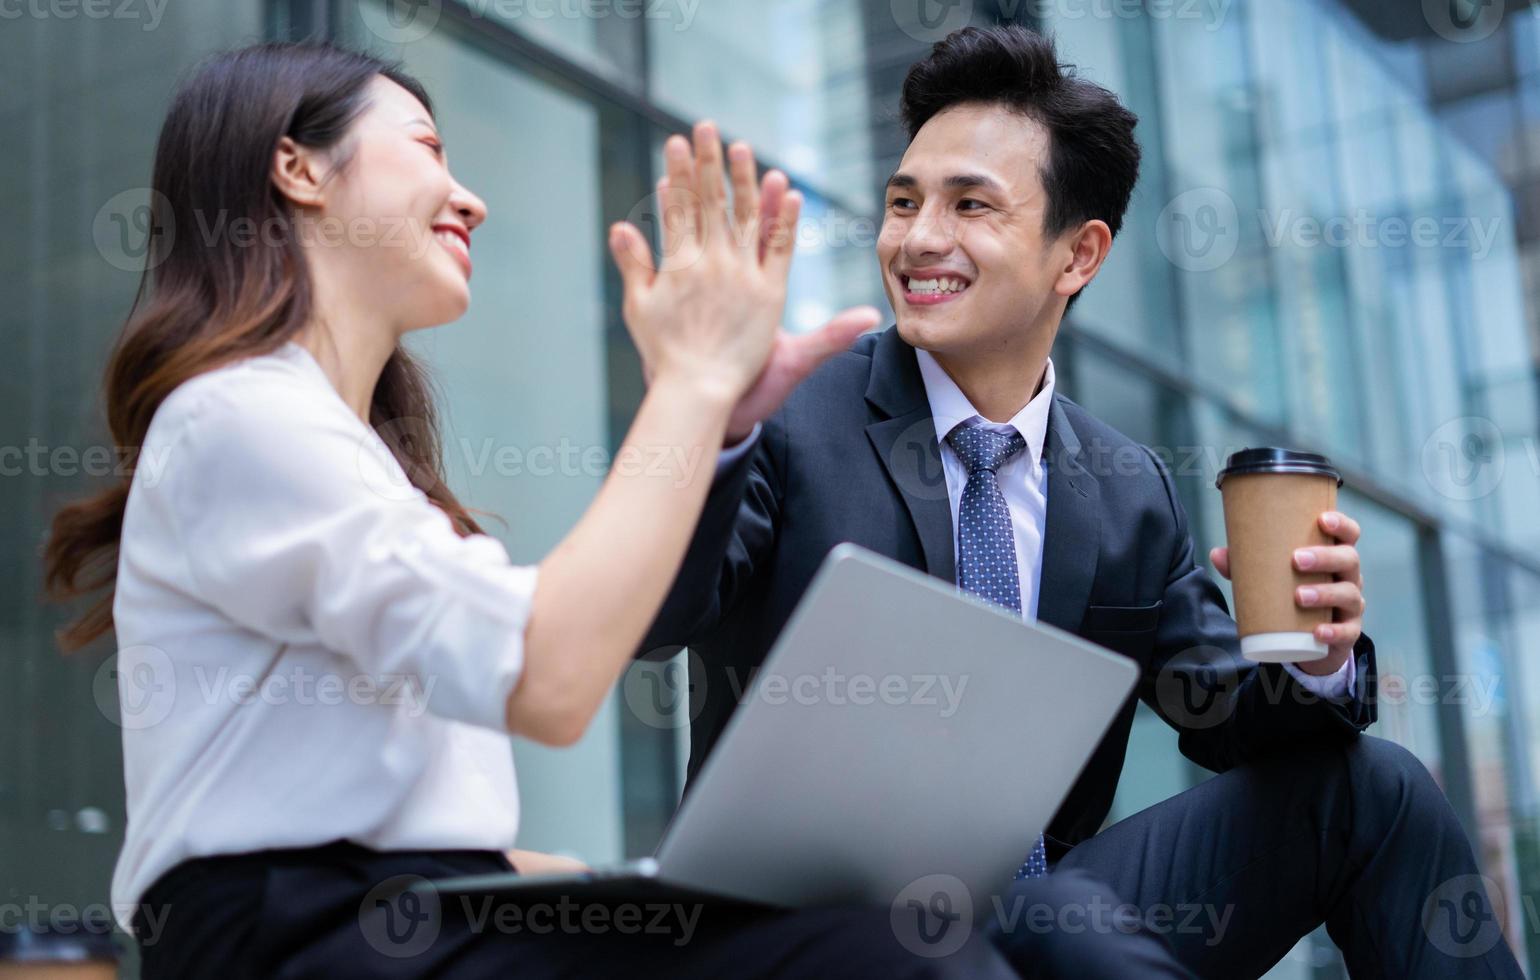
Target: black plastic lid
[1271,459]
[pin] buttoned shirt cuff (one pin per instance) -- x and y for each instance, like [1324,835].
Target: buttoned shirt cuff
[731,456]
[1335,686]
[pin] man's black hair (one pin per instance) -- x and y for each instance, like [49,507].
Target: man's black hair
[1093,158]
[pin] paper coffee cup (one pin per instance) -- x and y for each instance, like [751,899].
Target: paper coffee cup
[1273,500]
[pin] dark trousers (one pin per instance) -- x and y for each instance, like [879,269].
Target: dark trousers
[1220,881]
[341,910]
[1354,834]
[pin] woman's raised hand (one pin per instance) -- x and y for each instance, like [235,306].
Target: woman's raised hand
[706,319]
[709,311]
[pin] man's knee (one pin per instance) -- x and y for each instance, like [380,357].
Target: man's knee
[1396,780]
[1388,766]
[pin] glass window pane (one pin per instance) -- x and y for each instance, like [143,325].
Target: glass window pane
[603,36]
[788,77]
[83,97]
[1493,718]
[530,452]
[1133,300]
[1397,622]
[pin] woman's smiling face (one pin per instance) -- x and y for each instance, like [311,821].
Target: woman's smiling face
[392,220]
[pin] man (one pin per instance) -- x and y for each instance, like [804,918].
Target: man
[944,443]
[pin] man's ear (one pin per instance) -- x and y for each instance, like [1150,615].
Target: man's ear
[1088,250]
[299,173]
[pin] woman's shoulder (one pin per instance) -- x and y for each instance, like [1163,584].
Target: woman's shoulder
[248,422]
[265,392]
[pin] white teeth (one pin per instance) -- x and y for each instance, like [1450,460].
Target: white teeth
[452,240]
[939,285]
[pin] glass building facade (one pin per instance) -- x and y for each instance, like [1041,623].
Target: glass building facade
[1333,246]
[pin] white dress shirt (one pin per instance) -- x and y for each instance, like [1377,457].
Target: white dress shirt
[307,650]
[1023,482]
[1023,478]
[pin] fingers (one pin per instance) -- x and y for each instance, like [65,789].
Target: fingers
[633,257]
[740,161]
[812,349]
[1220,557]
[1340,526]
[804,352]
[708,181]
[782,242]
[1347,604]
[1343,597]
[772,197]
[680,203]
[842,331]
[1340,560]
[1340,634]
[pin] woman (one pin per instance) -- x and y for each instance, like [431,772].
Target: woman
[295,533]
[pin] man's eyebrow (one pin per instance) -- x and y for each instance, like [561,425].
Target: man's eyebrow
[953,182]
[957,181]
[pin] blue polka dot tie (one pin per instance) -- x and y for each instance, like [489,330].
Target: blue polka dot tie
[986,543]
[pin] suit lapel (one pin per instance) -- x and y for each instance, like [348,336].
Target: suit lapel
[1072,532]
[905,442]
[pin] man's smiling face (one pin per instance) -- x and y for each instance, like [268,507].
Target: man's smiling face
[964,257]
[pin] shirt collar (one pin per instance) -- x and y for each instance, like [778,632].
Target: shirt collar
[949,407]
[293,352]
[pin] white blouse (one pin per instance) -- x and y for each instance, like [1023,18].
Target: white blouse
[307,650]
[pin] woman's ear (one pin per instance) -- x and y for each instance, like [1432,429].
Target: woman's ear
[299,173]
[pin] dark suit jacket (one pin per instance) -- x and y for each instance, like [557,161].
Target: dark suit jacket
[852,456]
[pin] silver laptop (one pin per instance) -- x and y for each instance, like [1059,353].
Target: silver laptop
[898,729]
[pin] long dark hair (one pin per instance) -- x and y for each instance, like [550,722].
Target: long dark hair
[204,301]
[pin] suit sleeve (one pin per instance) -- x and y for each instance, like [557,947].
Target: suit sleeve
[1225,708]
[732,542]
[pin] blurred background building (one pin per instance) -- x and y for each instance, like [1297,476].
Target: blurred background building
[1335,245]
